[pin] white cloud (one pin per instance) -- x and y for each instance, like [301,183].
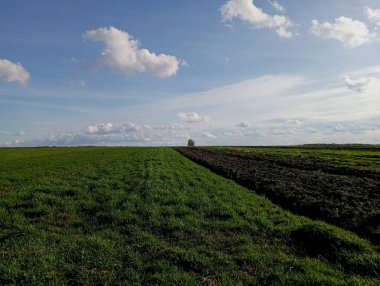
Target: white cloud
[373,15]
[209,135]
[351,33]
[243,124]
[358,85]
[13,72]
[77,139]
[82,83]
[192,117]
[247,11]
[296,99]
[102,128]
[113,134]
[283,131]
[283,33]
[123,54]
[277,6]
[130,126]
[97,134]
[347,127]
[363,84]
[110,128]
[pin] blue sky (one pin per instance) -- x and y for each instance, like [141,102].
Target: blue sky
[238,72]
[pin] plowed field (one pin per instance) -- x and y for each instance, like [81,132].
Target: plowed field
[343,195]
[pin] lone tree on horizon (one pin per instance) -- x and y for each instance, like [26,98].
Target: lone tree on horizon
[190,143]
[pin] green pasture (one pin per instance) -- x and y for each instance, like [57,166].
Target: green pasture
[149,216]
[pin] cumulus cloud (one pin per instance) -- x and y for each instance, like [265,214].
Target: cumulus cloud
[110,128]
[351,33]
[192,117]
[97,134]
[13,72]
[102,128]
[209,135]
[112,134]
[247,11]
[293,131]
[283,33]
[277,6]
[123,54]
[130,126]
[345,127]
[76,139]
[373,15]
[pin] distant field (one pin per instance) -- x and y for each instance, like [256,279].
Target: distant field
[338,185]
[148,216]
[356,156]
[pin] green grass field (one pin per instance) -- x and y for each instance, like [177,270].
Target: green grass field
[149,216]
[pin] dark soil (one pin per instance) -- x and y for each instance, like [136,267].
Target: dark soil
[347,197]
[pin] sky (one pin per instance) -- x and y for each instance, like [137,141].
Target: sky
[156,73]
